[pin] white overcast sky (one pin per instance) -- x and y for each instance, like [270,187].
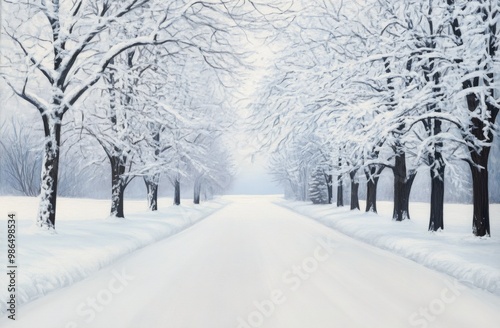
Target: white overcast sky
[251,173]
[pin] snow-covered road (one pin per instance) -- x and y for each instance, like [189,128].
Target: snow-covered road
[256,264]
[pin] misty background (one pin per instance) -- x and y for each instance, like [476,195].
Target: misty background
[93,180]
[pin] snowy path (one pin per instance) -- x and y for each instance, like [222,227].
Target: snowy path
[235,269]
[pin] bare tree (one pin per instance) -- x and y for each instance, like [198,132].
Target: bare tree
[20,158]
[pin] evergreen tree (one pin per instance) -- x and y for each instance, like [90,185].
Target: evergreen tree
[317,188]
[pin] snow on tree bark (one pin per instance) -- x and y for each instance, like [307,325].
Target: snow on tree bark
[151,183]
[50,168]
[372,174]
[478,21]
[118,166]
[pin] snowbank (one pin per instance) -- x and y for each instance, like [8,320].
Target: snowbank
[85,241]
[454,251]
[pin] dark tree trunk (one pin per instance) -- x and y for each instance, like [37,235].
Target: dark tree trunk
[329,187]
[340,191]
[354,191]
[152,191]
[479,171]
[50,170]
[402,189]
[437,169]
[480,195]
[402,183]
[118,163]
[433,126]
[479,165]
[177,192]
[436,221]
[197,192]
[372,177]
[117,186]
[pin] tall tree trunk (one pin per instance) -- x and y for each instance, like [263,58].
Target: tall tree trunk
[340,191]
[354,191]
[480,194]
[152,181]
[117,186]
[402,188]
[481,122]
[436,221]
[329,187]
[152,191]
[479,172]
[177,192]
[372,177]
[433,126]
[50,168]
[437,169]
[117,161]
[402,183]
[479,165]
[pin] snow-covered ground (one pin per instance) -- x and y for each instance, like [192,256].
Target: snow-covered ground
[256,264]
[454,251]
[86,240]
